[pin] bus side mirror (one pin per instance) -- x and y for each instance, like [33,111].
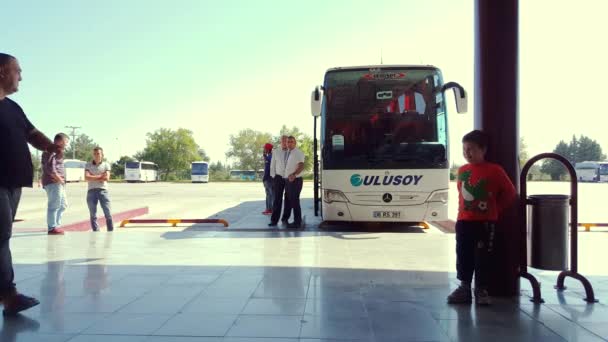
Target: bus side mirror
[460,96]
[315,102]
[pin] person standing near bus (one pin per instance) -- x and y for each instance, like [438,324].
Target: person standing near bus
[277,172]
[97,174]
[293,180]
[484,192]
[53,182]
[267,179]
[16,171]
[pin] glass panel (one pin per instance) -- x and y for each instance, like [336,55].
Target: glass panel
[148,166]
[199,169]
[390,118]
[132,165]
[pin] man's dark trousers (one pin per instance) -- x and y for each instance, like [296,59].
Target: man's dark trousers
[293,190]
[278,187]
[9,201]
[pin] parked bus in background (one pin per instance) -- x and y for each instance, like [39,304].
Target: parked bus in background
[141,171]
[592,171]
[200,172]
[603,171]
[243,174]
[383,144]
[74,170]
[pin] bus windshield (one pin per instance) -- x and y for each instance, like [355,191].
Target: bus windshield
[380,119]
[132,165]
[200,169]
[603,169]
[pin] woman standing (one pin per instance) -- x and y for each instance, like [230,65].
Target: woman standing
[97,174]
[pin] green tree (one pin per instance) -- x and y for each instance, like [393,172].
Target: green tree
[171,150]
[578,150]
[247,147]
[572,147]
[218,171]
[588,149]
[524,156]
[81,148]
[217,166]
[37,163]
[305,143]
[203,155]
[523,152]
[552,167]
[118,167]
[454,171]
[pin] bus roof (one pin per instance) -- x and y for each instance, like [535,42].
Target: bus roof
[382,66]
[200,162]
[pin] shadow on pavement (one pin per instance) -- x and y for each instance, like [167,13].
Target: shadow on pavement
[246,218]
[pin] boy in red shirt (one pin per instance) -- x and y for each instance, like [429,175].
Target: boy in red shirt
[484,191]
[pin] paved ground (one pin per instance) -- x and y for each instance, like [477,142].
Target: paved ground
[204,283]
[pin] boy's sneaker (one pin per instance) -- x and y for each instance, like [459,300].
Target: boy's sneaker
[482,297]
[462,295]
[56,231]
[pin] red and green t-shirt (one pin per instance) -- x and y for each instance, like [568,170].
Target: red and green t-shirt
[484,191]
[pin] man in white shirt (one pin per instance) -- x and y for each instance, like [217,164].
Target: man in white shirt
[293,180]
[277,172]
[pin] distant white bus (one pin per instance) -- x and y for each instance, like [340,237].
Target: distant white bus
[592,171]
[74,170]
[200,172]
[243,174]
[141,171]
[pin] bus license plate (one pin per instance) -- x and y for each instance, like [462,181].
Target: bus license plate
[387,214]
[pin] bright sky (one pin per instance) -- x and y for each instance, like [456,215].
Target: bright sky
[121,68]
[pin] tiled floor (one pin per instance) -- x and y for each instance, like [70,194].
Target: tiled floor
[196,285]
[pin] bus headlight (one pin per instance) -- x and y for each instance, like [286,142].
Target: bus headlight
[333,196]
[439,196]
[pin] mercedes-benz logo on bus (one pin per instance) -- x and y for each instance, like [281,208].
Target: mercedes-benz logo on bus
[387,197]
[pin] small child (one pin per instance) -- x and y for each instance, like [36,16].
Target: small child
[484,191]
[53,182]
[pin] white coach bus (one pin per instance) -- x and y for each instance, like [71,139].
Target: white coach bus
[143,171]
[74,170]
[592,171]
[383,143]
[200,172]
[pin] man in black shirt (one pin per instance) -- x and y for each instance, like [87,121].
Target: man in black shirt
[16,171]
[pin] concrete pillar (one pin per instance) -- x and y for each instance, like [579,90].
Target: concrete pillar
[496,113]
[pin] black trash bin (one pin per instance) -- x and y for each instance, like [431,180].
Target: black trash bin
[548,222]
